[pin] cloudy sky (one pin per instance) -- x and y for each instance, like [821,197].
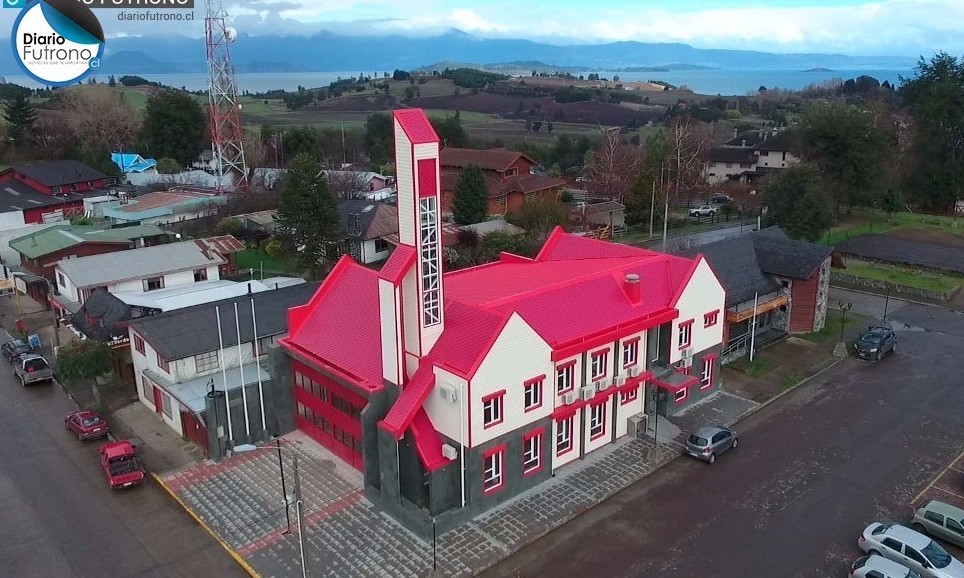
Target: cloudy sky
[887,27]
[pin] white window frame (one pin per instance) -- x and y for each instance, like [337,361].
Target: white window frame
[492,471]
[597,420]
[565,375]
[532,395]
[564,435]
[430,285]
[685,334]
[630,352]
[207,361]
[597,365]
[706,375]
[680,395]
[168,405]
[492,410]
[147,388]
[532,453]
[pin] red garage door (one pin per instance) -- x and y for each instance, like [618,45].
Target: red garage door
[330,413]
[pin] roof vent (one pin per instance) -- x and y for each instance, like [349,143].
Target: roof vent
[631,286]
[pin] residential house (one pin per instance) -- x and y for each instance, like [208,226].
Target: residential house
[165,207]
[357,182]
[103,317]
[455,395]
[41,250]
[368,226]
[133,163]
[508,177]
[145,269]
[774,286]
[605,214]
[56,177]
[188,295]
[205,161]
[753,154]
[190,366]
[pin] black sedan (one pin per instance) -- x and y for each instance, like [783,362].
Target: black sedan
[875,343]
[12,350]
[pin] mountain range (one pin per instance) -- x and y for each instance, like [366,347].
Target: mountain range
[328,52]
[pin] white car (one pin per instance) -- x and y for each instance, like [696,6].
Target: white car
[911,549]
[874,566]
[703,211]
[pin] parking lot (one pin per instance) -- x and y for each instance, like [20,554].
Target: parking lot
[947,487]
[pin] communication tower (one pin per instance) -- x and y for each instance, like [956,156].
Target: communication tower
[224,115]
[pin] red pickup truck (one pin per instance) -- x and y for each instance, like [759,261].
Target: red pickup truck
[121,464]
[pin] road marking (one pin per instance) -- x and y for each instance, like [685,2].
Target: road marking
[939,476]
[957,470]
[949,492]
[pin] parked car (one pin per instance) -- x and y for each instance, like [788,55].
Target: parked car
[721,199]
[703,211]
[875,343]
[708,442]
[940,520]
[14,348]
[32,368]
[121,464]
[909,548]
[874,566]
[86,424]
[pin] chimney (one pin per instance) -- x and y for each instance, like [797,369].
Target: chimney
[631,286]
[744,143]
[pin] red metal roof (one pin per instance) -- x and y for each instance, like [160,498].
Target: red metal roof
[223,244]
[410,401]
[398,264]
[340,325]
[497,159]
[428,443]
[469,333]
[416,125]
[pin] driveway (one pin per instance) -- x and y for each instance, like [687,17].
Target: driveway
[853,446]
[60,519]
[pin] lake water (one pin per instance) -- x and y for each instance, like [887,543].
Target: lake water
[715,81]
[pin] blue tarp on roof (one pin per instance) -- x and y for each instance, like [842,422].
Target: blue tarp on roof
[132,162]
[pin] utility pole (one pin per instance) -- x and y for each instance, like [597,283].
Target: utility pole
[300,513]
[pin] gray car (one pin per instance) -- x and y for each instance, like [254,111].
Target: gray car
[909,548]
[940,520]
[708,442]
[873,566]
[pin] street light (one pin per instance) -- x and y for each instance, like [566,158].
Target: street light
[844,308]
[299,503]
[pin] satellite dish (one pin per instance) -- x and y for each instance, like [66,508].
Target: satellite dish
[230,34]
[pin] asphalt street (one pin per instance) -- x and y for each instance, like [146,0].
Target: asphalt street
[59,518]
[853,446]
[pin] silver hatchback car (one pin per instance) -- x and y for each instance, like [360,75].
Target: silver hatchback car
[940,520]
[708,442]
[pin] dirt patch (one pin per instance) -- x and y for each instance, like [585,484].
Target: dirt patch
[933,236]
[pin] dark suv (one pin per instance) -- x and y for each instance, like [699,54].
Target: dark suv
[875,343]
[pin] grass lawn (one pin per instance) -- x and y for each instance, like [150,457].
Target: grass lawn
[257,259]
[864,221]
[905,276]
[756,368]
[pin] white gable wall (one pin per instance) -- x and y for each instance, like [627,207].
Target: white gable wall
[389,314]
[406,186]
[703,294]
[517,355]
[445,414]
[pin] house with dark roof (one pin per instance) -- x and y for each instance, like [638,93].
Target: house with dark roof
[753,154]
[774,286]
[368,227]
[508,177]
[53,177]
[41,250]
[21,205]
[202,368]
[454,392]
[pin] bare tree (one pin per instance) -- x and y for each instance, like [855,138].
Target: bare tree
[51,135]
[100,117]
[687,145]
[612,166]
[346,184]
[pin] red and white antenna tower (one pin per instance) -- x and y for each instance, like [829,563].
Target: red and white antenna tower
[225,112]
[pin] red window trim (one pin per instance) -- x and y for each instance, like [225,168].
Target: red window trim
[711,359]
[604,353]
[631,395]
[488,398]
[572,442]
[603,405]
[627,343]
[542,394]
[688,323]
[500,449]
[572,382]
[686,391]
[526,437]
[714,315]
[139,344]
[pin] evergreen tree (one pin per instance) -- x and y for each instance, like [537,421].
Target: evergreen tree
[20,114]
[798,203]
[174,126]
[639,199]
[470,199]
[308,214]
[379,137]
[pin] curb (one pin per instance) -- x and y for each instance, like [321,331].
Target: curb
[231,552]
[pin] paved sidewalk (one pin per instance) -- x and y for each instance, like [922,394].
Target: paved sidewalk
[721,408]
[346,535]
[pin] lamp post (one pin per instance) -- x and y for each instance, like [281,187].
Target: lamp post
[840,350]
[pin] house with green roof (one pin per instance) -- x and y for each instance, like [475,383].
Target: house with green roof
[41,250]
